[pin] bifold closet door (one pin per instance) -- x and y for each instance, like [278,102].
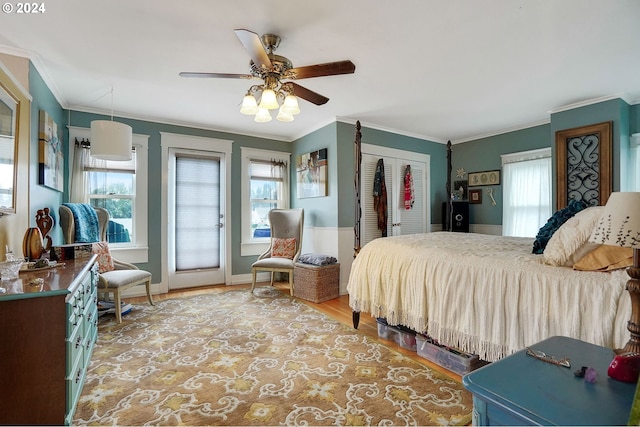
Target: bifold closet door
[399,220]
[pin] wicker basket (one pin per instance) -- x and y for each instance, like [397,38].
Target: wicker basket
[316,283]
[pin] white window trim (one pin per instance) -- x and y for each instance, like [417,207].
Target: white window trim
[139,251]
[522,156]
[249,245]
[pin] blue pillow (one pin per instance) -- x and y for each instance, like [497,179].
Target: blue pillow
[556,220]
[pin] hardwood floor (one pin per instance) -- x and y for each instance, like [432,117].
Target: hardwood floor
[337,308]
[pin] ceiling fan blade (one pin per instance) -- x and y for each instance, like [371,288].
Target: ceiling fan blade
[309,95]
[252,43]
[216,75]
[320,70]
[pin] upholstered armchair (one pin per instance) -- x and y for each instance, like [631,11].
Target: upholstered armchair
[115,276]
[285,246]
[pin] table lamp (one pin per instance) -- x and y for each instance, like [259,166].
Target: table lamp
[619,225]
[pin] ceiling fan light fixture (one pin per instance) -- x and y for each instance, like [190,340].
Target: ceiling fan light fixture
[268,100]
[263,115]
[249,105]
[290,105]
[283,116]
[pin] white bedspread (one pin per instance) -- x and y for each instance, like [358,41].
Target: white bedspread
[486,294]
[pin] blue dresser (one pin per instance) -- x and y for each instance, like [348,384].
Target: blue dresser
[522,390]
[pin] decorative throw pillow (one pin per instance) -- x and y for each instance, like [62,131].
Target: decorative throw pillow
[105,261]
[570,242]
[283,248]
[556,220]
[606,258]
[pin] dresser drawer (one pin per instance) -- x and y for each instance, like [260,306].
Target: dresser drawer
[74,308]
[74,381]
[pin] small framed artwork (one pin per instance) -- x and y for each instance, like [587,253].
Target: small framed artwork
[484,178]
[475,197]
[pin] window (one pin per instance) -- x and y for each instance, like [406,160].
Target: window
[111,185]
[634,162]
[265,186]
[118,186]
[526,192]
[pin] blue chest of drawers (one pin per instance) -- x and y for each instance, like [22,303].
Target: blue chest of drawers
[522,390]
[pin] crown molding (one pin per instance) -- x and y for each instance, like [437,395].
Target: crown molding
[370,125]
[36,60]
[591,101]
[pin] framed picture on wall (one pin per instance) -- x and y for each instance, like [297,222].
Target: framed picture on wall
[51,159]
[475,196]
[484,178]
[311,174]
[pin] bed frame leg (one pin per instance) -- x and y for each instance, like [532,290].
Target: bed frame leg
[355,316]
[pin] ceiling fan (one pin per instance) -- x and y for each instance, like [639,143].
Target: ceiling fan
[275,71]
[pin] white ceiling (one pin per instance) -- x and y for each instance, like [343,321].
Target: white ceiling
[437,69]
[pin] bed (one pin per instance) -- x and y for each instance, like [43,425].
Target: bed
[489,295]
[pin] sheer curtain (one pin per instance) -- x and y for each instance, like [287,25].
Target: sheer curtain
[78,182]
[526,192]
[280,172]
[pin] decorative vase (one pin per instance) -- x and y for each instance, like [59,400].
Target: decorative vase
[32,246]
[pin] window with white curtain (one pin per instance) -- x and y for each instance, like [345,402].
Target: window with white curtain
[118,186]
[526,192]
[634,162]
[265,186]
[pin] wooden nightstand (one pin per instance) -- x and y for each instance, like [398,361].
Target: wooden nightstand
[522,390]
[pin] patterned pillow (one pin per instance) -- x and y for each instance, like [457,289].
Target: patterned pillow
[105,262]
[283,248]
[556,220]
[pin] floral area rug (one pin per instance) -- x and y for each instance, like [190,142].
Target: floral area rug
[236,358]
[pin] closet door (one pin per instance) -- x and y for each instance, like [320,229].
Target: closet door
[369,223]
[400,220]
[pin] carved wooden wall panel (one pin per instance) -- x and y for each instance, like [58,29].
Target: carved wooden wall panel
[583,164]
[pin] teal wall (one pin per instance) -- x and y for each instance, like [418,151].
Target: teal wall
[39,195]
[239,264]
[634,119]
[319,211]
[335,210]
[615,110]
[484,154]
[437,151]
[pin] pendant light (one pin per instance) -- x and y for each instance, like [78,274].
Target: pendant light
[111,140]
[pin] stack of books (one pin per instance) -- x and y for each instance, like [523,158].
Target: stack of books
[105,307]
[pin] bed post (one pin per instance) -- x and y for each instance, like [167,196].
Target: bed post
[355,315]
[448,209]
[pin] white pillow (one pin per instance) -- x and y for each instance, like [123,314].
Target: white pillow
[570,242]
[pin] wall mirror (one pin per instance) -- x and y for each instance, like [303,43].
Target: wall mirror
[9,111]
